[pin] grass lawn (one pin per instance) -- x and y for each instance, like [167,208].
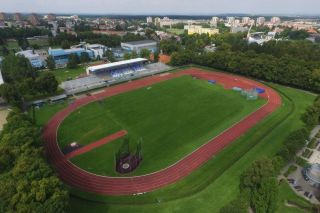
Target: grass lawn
[65,73]
[46,112]
[216,183]
[286,194]
[157,117]
[40,42]
[175,31]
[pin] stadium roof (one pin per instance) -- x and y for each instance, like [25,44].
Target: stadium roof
[116,64]
[140,42]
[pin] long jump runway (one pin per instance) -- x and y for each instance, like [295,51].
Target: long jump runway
[78,178]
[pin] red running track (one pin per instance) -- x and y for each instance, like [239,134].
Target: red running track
[105,185]
[96,144]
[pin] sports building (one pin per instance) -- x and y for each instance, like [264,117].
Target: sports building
[61,56]
[139,45]
[35,59]
[118,69]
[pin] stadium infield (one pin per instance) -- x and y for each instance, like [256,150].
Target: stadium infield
[116,186]
[171,118]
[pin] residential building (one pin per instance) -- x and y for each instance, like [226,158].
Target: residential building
[230,20]
[245,20]
[237,29]
[275,20]
[3,16]
[34,19]
[149,20]
[17,17]
[214,21]
[51,17]
[197,29]
[261,21]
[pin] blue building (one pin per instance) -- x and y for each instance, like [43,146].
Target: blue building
[35,59]
[60,56]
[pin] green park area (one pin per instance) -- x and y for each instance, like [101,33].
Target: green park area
[175,31]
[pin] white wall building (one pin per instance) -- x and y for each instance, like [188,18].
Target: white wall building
[149,20]
[245,20]
[275,20]
[261,21]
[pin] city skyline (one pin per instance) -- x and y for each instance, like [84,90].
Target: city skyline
[164,7]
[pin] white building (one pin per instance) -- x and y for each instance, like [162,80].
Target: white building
[97,49]
[214,21]
[149,20]
[35,59]
[275,20]
[245,20]
[230,20]
[261,21]
[157,21]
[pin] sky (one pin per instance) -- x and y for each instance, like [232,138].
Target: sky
[174,7]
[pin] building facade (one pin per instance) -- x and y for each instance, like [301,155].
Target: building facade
[197,29]
[35,59]
[139,45]
[61,56]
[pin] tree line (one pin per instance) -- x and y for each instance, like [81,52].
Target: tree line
[294,64]
[23,82]
[28,183]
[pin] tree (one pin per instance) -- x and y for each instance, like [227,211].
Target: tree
[23,43]
[156,56]
[51,64]
[127,56]
[47,83]
[259,182]
[84,57]
[252,176]
[5,51]
[27,182]
[65,44]
[11,95]
[109,55]
[134,54]
[265,197]
[239,205]
[169,46]
[16,69]
[73,61]
[145,53]
[311,116]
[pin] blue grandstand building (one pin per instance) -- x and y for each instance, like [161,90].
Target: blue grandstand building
[60,56]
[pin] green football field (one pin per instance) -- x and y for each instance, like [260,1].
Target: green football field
[171,118]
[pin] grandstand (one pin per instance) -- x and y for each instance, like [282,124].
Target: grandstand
[113,73]
[118,69]
[82,84]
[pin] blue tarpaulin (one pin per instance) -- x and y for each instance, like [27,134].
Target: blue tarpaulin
[260,90]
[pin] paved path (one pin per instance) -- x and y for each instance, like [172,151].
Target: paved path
[105,185]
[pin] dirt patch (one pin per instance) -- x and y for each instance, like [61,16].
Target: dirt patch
[3,116]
